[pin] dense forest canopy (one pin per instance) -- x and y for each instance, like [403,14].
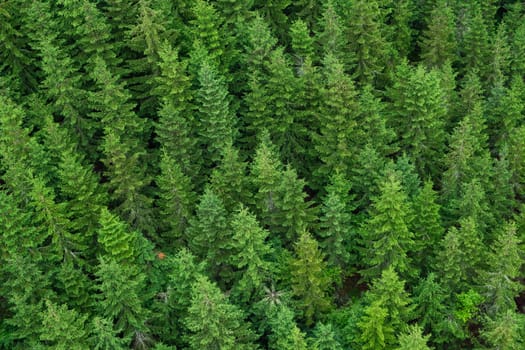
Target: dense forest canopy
[262,174]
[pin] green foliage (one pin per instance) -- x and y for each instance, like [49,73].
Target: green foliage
[63,329]
[214,323]
[165,166]
[438,43]
[285,333]
[376,334]
[250,254]
[120,297]
[311,280]
[386,237]
[413,339]
[418,114]
[209,233]
[216,118]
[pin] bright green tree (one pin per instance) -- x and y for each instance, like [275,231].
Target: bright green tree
[62,328]
[302,42]
[389,290]
[386,237]
[213,322]
[250,254]
[376,333]
[310,278]
[115,238]
[413,339]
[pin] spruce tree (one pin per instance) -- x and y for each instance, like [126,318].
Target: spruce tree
[310,279]
[217,121]
[63,329]
[285,334]
[438,42]
[229,179]
[413,339]
[375,334]
[418,115]
[386,237]
[209,233]
[120,297]
[123,147]
[335,142]
[176,126]
[176,199]
[337,227]
[250,254]
[213,322]
[366,41]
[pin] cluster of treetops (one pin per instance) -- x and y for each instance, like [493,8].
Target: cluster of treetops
[264,174]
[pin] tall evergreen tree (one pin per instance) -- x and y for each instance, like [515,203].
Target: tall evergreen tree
[214,323]
[216,118]
[418,115]
[123,147]
[121,296]
[335,143]
[366,41]
[250,254]
[310,279]
[438,42]
[386,237]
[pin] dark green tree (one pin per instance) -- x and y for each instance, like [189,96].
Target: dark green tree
[120,297]
[123,148]
[366,41]
[427,227]
[209,233]
[438,41]
[229,179]
[176,127]
[217,121]
[285,334]
[337,227]
[176,198]
[336,140]
[500,281]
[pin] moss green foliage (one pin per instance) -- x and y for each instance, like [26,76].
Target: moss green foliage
[262,174]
